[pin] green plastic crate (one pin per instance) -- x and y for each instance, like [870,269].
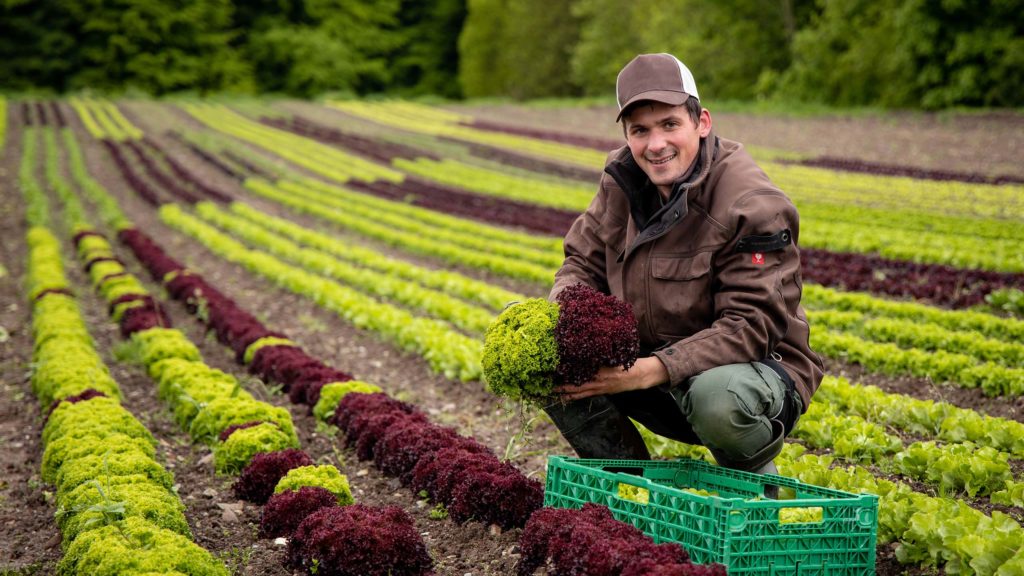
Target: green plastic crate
[809,530]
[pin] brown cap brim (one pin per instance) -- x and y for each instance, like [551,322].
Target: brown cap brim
[670,97]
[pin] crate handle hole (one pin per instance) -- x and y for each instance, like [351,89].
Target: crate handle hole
[866,518]
[802,515]
[634,493]
[737,520]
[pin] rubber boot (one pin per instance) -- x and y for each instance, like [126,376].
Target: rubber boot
[595,428]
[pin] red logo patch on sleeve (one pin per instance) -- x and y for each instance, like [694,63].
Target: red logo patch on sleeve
[757,258]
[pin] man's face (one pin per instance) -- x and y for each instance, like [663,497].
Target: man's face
[664,141]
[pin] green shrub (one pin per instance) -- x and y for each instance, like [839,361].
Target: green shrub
[223,412]
[158,344]
[332,393]
[99,416]
[73,474]
[68,449]
[234,454]
[135,546]
[327,477]
[520,355]
[84,508]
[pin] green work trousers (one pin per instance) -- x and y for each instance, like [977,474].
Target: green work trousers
[733,410]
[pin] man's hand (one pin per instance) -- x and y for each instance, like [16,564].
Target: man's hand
[646,373]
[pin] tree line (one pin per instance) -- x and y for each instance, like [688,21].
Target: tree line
[926,54]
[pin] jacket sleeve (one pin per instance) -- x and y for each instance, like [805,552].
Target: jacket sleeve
[753,292]
[584,249]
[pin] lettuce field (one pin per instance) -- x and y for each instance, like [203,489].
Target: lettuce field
[245,337]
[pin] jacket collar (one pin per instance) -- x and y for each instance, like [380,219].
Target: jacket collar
[653,222]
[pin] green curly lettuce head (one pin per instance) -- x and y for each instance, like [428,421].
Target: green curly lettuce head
[98,416]
[100,467]
[82,509]
[156,344]
[135,546]
[70,448]
[220,413]
[234,453]
[326,476]
[520,354]
[332,393]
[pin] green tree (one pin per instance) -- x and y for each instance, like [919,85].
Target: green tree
[609,38]
[331,45]
[536,49]
[428,60]
[157,46]
[480,72]
[915,53]
[37,46]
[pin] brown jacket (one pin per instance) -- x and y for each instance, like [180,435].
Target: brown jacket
[713,275]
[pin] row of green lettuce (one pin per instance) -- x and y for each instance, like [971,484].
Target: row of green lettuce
[888,336]
[208,403]
[117,509]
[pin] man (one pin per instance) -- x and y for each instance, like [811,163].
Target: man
[687,229]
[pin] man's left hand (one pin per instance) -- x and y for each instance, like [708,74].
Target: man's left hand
[646,373]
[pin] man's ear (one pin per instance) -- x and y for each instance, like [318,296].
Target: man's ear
[704,126]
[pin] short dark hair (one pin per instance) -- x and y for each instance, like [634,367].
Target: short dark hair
[692,105]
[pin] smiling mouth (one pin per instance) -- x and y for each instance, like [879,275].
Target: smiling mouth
[664,160]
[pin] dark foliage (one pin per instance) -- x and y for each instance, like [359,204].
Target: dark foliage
[285,511]
[356,405]
[590,541]
[593,330]
[142,187]
[865,167]
[211,159]
[503,496]
[156,261]
[257,481]
[139,318]
[405,442]
[133,152]
[438,473]
[181,171]
[358,540]
[374,149]
[936,283]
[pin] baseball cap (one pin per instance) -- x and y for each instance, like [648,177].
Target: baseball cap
[659,77]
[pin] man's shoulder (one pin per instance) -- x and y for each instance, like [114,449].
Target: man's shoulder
[735,172]
[736,181]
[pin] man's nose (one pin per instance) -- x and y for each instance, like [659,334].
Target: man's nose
[656,142]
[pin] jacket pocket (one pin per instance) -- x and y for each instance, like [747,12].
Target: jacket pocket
[676,268]
[680,295]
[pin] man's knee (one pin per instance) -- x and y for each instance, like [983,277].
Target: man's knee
[730,408]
